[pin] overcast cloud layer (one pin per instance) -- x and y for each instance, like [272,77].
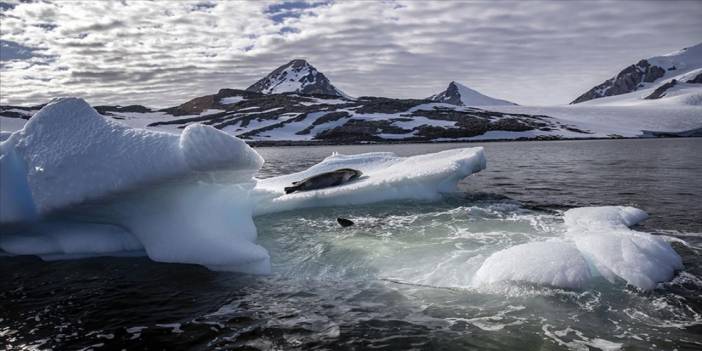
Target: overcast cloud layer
[165,52]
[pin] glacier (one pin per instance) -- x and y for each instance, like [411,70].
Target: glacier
[75,184]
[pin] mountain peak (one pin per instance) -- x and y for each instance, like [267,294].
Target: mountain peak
[296,76]
[459,94]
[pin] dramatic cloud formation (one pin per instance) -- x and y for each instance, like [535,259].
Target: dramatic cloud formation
[164,52]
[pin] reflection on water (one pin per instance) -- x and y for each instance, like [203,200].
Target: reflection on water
[399,278]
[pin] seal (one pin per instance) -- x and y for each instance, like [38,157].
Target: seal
[344,222]
[325,180]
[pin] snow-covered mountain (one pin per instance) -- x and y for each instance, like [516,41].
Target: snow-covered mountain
[461,95]
[675,75]
[297,104]
[297,76]
[290,117]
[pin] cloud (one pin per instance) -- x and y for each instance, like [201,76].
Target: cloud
[162,53]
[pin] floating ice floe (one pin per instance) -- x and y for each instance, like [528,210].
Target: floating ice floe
[386,176]
[597,242]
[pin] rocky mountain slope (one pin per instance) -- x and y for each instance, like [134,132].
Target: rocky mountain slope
[458,94]
[297,76]
[649,74]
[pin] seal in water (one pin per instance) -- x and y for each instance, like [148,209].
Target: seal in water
[325,180]
[344,222]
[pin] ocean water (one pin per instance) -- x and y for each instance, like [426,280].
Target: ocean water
[400,278]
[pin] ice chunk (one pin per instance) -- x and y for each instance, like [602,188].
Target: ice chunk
[16,204]
[603,236]
[606,217]
[196,222]
[181,198]
[386,176]
[554,263]
[596,237]
[73,154]
[206,148]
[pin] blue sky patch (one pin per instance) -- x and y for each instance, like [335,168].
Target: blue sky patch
[10,50]
[290,9]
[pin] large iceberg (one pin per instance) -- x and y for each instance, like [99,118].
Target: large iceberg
[597,242]
[75,184]
[180,198]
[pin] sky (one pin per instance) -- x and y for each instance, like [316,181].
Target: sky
[163,53]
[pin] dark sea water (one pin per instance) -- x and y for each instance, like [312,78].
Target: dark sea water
[396,280]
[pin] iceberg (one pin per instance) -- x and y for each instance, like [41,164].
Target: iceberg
[597,242]
[386,176]
[178,198]
[552,263]
[75,184]
[603,236]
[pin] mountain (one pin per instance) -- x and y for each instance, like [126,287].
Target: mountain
[323,118]
[461,95]
[649,74]
[297,76]
[293,118]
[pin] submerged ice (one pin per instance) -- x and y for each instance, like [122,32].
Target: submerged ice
[74,184]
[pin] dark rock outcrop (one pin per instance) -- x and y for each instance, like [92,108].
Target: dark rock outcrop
[696,80]
[628,80]
[449,96]
[661,90]
[106,109]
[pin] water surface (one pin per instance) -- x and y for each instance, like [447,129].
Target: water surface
[400,278]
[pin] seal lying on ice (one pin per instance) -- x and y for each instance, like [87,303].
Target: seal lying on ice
[325,180]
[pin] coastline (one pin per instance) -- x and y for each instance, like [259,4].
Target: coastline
[294,143]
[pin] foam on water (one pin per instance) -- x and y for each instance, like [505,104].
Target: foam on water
[470,247]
